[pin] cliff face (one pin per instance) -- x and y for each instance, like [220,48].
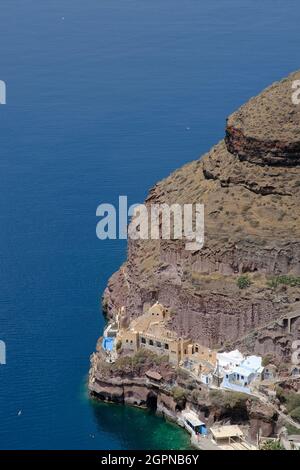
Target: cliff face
[127,383]
[249,184]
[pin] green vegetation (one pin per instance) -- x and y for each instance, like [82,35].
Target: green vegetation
[236,399]
[182,375]
[292,281]
[266,360]
[283,367]
[243,282]
[280,394]
[141,360]
[191,384]
[143,356]
[291,401]
[295,414]
[292,429]
[228,399]
[272,445]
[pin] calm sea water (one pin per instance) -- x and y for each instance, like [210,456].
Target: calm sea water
[100,94]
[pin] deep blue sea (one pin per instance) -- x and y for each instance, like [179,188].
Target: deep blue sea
[100,97]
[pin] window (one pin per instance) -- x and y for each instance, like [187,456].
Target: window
[196,349]
[242,377]
[166,346]
[151,342]
[158,344]
[143,340]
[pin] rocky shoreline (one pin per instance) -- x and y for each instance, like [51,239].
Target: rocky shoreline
[242,288]
[125,384]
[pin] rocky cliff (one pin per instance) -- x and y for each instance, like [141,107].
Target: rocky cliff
[126,382]
[249,184]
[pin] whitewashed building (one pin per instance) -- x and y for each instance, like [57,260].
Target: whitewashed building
[240,377]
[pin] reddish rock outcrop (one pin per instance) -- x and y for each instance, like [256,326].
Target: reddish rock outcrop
[266,130]
[250,187]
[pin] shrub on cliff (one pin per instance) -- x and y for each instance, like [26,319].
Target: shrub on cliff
[143,357]
[230,405]
[292,429]
[228,399]
[134,364]
[122,364]
[243,282]
[295,414]
[292,281]
[235,399]
[267,359]
[272,445]
[280,394]
[292,401]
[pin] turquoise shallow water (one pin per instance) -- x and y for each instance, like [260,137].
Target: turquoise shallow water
[100,94]
[148,432]
[142,428]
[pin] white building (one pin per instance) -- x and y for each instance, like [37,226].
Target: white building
[240,377]
[192,423]
[226,361]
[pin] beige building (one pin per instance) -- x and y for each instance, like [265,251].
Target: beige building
[149,331]
[199,352]
[201,362]
[230,437]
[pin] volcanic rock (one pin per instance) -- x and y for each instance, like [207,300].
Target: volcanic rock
[249,184]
